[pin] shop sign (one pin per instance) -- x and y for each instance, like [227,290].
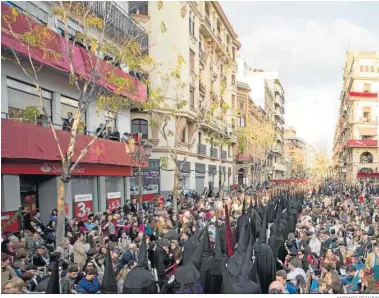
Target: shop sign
[147,174]
[114,200]
[83,206]
[14,225]
[55,168]
[200,175]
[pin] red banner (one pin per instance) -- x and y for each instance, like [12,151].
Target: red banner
[367,175]
[14,225]
[362,143]
[83,206]
[288,181]
[114,200]
[54,168]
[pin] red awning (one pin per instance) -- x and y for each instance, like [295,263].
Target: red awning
[363,94]
[367,175]
[362,143]
[28,141]
[56,46]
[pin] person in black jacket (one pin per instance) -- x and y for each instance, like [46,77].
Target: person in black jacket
[40,259]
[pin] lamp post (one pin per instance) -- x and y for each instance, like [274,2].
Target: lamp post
[141,157]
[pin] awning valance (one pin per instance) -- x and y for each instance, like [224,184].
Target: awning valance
[368,131]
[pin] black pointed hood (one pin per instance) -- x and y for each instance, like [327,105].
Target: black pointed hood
[227,286]
[140,277]
[197,256]
[109,283]
[53,285]
[262,235]
[235,262]
[191,244]
[244,206]
[142,256]
[244,284]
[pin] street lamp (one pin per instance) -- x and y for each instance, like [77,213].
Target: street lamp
[141,157]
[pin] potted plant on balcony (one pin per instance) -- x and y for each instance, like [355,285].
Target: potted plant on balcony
[29,115]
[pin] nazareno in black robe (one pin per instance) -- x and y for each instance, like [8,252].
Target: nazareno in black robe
[266,262]
[276,242]
[140,280]
[190,246]
[216,274]
[206,264]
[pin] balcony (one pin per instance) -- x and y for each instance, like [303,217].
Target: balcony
[223,155]
[214,96]
[118,18]
[214,152]
[31,142]
[243,158]
[203,57]
[202,88]
[213,72]
[85,63]
[202,149]
[279,116]
[279,167]
[208,23]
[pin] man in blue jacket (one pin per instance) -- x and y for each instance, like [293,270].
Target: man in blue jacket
[281,276]
[129,254]
[89,284]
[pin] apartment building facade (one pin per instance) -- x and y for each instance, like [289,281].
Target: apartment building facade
[311,157]
[268,92]
[250,160]
[355,151]
[200,32]
[32,174]
[295,149]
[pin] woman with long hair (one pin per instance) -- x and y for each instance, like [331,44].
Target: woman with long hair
[370,285]
[63,249]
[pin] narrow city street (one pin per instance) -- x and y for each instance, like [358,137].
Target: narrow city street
[189,147]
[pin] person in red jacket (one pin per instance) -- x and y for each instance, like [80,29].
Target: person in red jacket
[361,198]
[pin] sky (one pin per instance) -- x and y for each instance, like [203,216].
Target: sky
[306,42]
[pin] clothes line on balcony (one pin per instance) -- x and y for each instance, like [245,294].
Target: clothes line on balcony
[53,54]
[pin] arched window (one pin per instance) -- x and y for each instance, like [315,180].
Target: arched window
[140,125]
[366,157]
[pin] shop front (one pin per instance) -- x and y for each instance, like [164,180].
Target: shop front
[31,172]
[212,170]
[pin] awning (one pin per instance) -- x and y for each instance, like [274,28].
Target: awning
[54,54]
[32,142]
[368,131]
[362,143]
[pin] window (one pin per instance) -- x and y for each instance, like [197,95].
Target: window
[242,104]
[361,68]
[366,114]
[372,68]
[200,138]
[233,79]
[22,95]
[207,9]
[140,125]
[192,61]
[241,121]
[183,135]
[366,68]
[367,87]
[234,53]
[366,157]
[229,151]
[190,22]
[233,101]
[192,97]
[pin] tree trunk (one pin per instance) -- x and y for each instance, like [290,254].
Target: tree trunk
[175,191]
[61,200]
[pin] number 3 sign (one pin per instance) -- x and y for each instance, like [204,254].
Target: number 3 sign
[83,206]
